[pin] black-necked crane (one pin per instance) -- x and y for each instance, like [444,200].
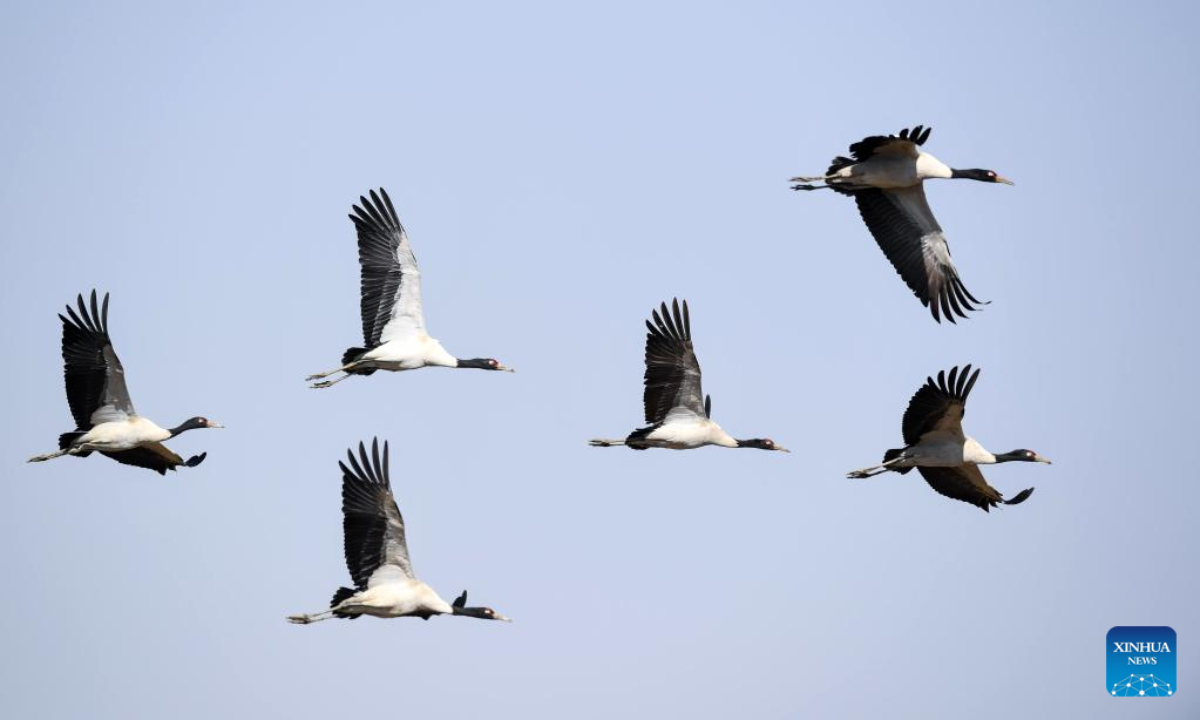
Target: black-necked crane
[377,552]
[393,322]
[936,446]
[678,414]
[105,420]
[886,176]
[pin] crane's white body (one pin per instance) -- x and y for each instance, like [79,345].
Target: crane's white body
[123,435]
[397,596]
[400,597]
[891,171]
[945,449]
[408,351]
[685,431]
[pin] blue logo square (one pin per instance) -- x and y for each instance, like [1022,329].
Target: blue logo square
[1141,661]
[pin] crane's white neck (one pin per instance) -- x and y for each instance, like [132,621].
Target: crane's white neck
[975,453]
[930,167]
[436,355]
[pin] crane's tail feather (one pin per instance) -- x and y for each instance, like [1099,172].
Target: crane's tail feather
[352,355]
[1019,497]
[838,164]
[341,595]
[65,440]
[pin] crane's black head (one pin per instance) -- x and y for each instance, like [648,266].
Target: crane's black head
[195,424]
[981,175]
[484,364]
[1021,456]
[483,613]
[761,444]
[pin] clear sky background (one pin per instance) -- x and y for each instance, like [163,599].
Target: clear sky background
[561,171]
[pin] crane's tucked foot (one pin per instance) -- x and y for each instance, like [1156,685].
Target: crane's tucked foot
[605,443]
[47,456]
[866,472]
[810,187]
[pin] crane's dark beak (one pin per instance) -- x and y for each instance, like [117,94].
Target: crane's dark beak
[1006,181]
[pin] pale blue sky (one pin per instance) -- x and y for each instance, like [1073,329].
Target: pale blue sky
[561,170]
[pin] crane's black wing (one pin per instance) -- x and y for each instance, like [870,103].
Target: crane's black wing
[939,406]
[155,456]
[904,144]
[672,371]
[94,376]
[376,549]
[391,283]
[966,483]
[906,231]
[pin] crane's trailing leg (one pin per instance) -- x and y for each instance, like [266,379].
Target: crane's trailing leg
[348,368]
[328,383]
[811,187]
[327,373]
[605,443]
[310,618]
[873,470]
[48,456]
